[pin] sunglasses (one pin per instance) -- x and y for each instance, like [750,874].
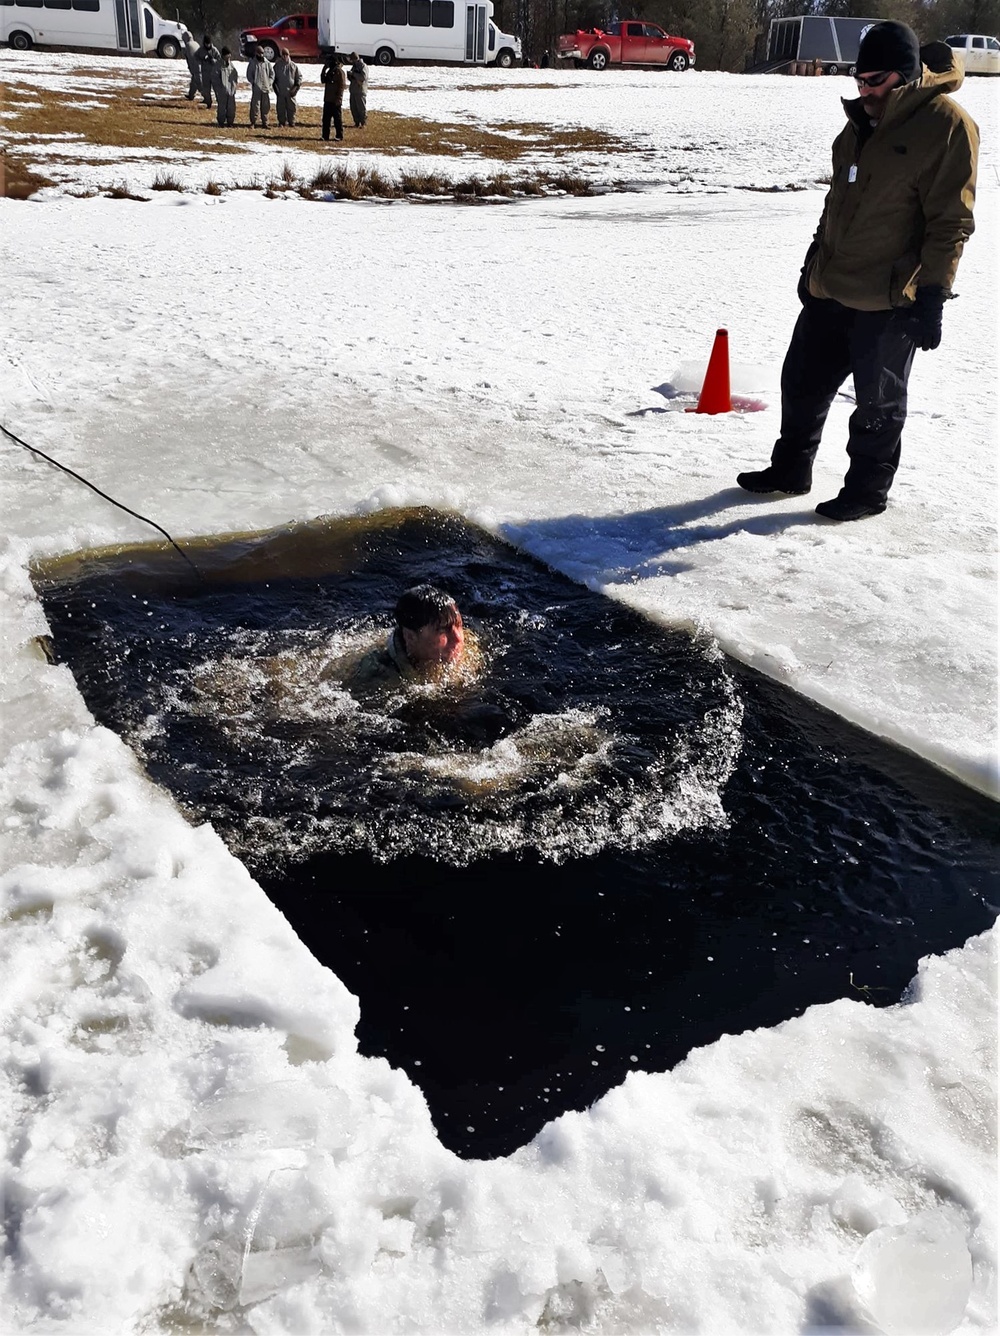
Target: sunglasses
[872,80]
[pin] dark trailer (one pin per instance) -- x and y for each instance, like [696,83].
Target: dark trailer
[832,43]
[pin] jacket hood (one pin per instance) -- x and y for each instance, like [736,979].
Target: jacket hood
[940,73]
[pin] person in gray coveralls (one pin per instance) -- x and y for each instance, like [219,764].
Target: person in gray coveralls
[357,77]
[260,76]
[225,77]
[208,58]
[191,53]
[287,82]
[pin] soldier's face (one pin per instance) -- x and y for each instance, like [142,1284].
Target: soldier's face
[436,643]
[873,96]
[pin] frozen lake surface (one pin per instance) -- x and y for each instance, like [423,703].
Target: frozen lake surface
[194,1134]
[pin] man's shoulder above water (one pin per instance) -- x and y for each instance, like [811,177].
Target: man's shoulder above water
[386,666]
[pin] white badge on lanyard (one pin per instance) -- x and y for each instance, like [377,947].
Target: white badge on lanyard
[852,175]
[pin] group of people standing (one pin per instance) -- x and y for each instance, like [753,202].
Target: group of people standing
[213,75]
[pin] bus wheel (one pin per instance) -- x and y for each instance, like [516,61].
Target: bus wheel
[20,41]
[505,59]
[383,56]
[169,48]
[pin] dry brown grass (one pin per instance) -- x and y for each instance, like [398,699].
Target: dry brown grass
[17,180]
[120,190]
[343,182]
[167,181]
[129,117]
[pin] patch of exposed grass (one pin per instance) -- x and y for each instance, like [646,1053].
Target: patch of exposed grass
[167,181]
[214,188]
[123,115]
[17,180]
[120,190]
[774,190]
[364,182]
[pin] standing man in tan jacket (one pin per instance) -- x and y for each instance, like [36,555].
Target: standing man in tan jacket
[879,269]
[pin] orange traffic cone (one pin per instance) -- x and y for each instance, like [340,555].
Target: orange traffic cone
[715,396]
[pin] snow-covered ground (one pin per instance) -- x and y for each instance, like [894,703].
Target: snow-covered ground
[188,1120]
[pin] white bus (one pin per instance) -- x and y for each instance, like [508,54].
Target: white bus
[128,26]
[386,30]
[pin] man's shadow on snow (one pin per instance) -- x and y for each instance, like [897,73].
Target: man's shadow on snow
[637,546]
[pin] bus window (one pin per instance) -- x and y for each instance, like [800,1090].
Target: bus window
[442,13]
[420,13]
[147,18]
[395,13]
[373,11]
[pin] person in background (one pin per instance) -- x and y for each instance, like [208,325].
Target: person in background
[287,82]
[880,267]
[225,79]
[428,637]
[334,82]
[208,58]
[191,53]
[260,77]
[357,76]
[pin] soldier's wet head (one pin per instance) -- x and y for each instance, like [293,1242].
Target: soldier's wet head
[430,625]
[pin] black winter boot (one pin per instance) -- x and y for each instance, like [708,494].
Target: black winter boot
[844,507]
[774,479]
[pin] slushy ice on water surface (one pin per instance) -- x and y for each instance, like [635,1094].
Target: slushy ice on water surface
[603,845]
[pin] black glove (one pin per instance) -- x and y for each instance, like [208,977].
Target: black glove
[803,286]
[923,318]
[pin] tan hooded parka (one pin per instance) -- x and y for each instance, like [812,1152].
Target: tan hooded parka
[899,209]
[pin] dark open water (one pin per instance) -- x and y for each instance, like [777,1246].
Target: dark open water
[611,846]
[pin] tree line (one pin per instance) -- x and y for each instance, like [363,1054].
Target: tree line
[728,34]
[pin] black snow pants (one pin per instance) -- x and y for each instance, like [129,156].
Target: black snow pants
[829,343]
[336,112]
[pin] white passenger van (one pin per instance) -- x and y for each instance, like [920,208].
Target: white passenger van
[128,26]
[386,30]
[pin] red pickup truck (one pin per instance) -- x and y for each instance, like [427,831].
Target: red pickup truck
[631,42]
[296,34]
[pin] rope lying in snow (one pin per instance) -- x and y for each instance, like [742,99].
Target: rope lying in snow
[145,519]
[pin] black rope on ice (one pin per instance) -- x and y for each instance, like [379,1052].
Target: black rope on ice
[79,477]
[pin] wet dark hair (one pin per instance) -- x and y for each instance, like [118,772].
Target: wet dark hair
[423,605]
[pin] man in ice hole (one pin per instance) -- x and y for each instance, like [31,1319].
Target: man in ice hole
[428,637]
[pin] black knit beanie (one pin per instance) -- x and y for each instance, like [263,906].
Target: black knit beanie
[890,46]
